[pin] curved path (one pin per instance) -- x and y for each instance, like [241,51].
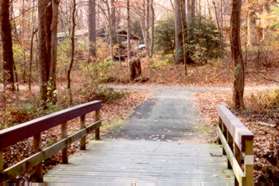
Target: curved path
[160,144]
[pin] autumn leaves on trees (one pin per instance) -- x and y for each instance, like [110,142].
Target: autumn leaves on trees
[47,27]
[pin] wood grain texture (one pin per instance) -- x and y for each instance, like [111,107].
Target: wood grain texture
[236,128]
[143,162]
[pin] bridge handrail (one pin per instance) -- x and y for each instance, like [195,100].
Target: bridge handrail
[237,141]
[34,128]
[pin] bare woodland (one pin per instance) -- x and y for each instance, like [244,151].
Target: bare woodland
[58,53]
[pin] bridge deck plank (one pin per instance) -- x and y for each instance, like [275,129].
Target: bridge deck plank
[140,162]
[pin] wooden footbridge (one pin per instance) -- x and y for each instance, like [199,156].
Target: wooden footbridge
[130,162]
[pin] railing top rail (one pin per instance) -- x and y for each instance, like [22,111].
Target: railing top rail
[31,128]
[236,128]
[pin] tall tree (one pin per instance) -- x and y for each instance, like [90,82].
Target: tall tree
[113,21]
[152,26]
[92,29]
[48,48]
[6,36]
[237,58]
[147,26]
[180,32]
[128,32]
[74,4]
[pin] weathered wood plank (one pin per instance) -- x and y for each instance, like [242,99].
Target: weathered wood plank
[27,164]
[237,130]
[239,174]
[22,131]
[170,163]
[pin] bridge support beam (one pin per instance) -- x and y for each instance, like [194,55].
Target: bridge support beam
[97,130]
[64,150]
[83,139]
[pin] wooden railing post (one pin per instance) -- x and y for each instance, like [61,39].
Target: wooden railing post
[38,174]
[248,162]
[97,131]
[237,155]
[229,140]
[83,139]
[1,160]
[64,150]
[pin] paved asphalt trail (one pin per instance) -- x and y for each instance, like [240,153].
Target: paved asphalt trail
[168,115]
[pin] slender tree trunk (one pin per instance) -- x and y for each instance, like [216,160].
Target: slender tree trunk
[31,46]
[219,25]
[128,32]
[72,53]
[147,26]
[128,37]
[152,27]
[238,85]
[110,38]
[184,33]
[7,45]
[53,27]
[92,29]
[31,59]
[113,21]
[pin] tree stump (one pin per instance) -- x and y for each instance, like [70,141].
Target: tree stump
[135,68]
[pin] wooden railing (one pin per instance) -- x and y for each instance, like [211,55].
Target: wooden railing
[237,143]
[34,128]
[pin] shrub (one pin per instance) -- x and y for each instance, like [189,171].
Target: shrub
[107,94]
[203,38]
[97,72]
[159,63]
[265,100]
[165,35]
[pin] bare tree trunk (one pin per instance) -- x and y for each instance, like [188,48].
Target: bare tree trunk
[54,24]
[31,59]
[128,32]
[152,27]
[180,31]
[238,88]
[31,46]
[147,26]
[47,49]
[72,53]
[184,33]
[109,5]
[128,37]
[219,25]
[113,21]
[7,45]
[110,38]
[92,29]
